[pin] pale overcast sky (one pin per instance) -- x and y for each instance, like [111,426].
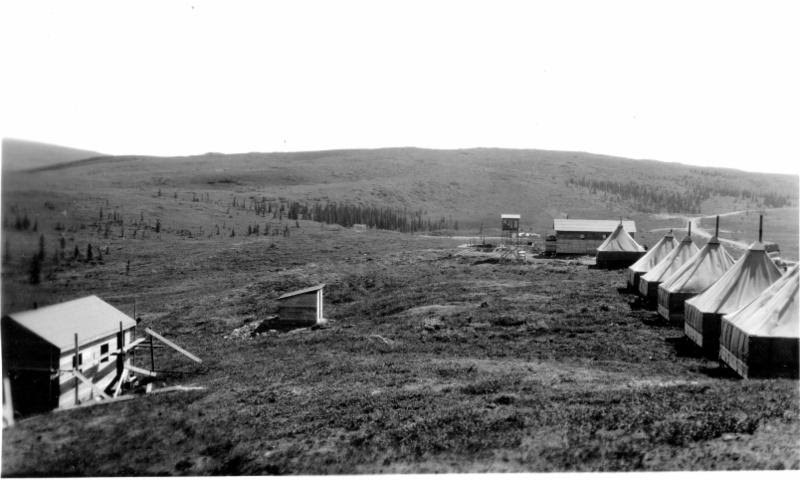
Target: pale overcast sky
[699,82]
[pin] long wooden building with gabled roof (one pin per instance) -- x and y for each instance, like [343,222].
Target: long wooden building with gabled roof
[584,236]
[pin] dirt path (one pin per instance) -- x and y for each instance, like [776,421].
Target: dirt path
[696,229]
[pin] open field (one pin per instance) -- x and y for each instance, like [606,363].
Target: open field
[478,367]
[432,362]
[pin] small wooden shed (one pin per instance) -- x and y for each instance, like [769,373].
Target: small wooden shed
[40,347]
[302,308]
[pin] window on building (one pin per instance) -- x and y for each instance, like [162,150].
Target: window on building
[104,353]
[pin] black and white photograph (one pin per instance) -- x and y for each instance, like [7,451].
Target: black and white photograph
[349,237]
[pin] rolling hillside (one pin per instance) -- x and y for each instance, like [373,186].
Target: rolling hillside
[433,360]
[25,154]
[468,186]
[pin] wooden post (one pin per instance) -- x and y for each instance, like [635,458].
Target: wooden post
[8,404]
[690,229]
[760,226]
[152,359]
[716,229]
[75,364]
[120,351]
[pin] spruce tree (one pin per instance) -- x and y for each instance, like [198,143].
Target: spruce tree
[35,270]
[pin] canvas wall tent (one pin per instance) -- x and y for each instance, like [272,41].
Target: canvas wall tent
[39,352]
[742,283]
[692,278]
[618,250]
[762,338]
[649,260]
[649,282]
[584,236]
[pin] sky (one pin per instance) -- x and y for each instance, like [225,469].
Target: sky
[700,82]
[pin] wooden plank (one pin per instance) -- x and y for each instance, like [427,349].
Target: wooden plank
[135,343]
[177,388]
[173,345]
[152,358]
[143,372]
[126,397]
[122,377]
[8,404]
[76,365]
[91,384]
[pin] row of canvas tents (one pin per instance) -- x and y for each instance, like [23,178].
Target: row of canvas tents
[743,312]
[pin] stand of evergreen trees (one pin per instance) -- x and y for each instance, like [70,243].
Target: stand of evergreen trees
[386,218]
[650,198]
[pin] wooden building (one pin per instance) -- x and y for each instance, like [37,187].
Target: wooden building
[584,236]
[509,228]
[301,308]
[42,348]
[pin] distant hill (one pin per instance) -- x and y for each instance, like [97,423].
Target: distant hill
[471,186]
[25,154]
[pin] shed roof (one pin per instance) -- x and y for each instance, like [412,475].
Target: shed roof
[302,291]
[509,216]
[591,225]
[90,317]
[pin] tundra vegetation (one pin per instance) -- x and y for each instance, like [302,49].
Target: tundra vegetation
[433,361]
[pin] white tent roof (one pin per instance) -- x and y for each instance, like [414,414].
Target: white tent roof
[672,261]
[620,241]
[774,313]
[742,283]
[656,253]
[701,270]
[90,317]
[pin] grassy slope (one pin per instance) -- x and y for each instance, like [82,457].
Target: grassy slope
[486,367]
[24,154]
[472,186]
[508,368]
